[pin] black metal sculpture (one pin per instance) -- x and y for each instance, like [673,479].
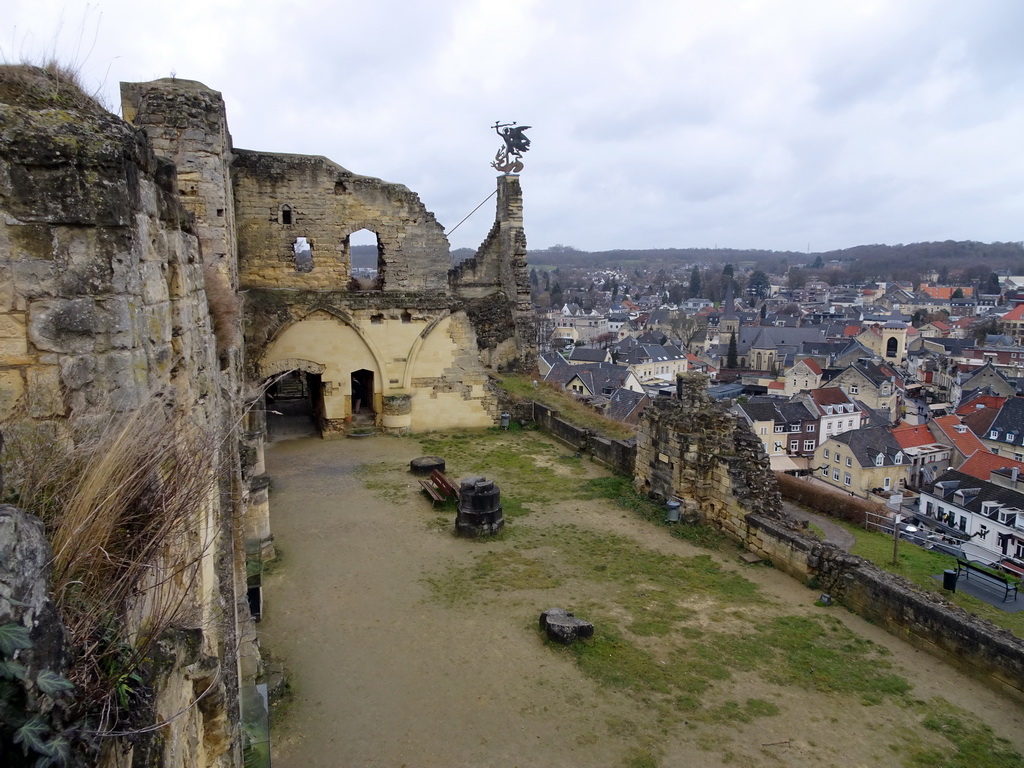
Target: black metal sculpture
[509,158]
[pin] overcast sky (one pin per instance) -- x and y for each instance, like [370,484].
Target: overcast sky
[781,124]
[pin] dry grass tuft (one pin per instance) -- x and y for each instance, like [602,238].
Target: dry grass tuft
[52,85]
[122,505]
[225,309]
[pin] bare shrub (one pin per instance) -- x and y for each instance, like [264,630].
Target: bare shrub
[225,309]
[832,503]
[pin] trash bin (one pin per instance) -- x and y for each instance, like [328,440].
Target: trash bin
[949,580]
[672,512]
[505,419]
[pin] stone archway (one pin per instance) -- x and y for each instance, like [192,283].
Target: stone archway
[293,397]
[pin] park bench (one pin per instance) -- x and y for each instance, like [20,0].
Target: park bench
[439,487]
[985,577]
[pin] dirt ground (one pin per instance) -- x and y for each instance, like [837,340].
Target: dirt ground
[383,675]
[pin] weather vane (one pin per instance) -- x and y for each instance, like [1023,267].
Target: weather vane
[510,157]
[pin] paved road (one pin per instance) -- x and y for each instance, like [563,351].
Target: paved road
[834,533]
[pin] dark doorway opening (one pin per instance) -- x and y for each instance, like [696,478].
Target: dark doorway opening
[295,406]
[362,398]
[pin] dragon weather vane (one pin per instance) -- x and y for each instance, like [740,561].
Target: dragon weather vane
[509,158]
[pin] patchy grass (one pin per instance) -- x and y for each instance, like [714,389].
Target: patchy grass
[920,566]
[387,480]
[570,409]
[965,742]
[620,490]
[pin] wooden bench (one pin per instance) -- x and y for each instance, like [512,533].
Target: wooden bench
[439,487]
[990,579]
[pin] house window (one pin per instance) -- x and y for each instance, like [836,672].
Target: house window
[827,455]
[780,427]
[764,430]
[1010,437]
[835,475]
[928,508]
[899,458]
[847,478]
[837,457]
[778,446]
[850,423]
[808,445]
[824,472]
[963,523]
[849,461]
[794,445]
[809,428]
[994,434]
[887,483]
[879,460]
[854,389]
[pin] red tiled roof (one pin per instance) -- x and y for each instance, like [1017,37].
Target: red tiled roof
[815,368]
[966,442]
[945,291]
[981,463]
[851,330]
[994,402]
[912,436]
[1015,315]
[776,385]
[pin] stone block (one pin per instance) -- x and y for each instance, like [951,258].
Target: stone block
[69,326]
[13,336]
[12,387]
[44,394]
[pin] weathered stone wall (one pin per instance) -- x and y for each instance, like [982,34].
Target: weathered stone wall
[102,307]
[495,285]
[694,450]
[326,204]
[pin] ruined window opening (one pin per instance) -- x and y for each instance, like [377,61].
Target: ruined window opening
[365,256]
[376,319]
[302,253]
[220,211]
[407,317]
[286,214]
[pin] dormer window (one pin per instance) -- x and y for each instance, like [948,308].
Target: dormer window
[899,458]
[879,460]
[994,434]
[1010,437]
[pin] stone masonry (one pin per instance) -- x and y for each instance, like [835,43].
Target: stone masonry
[421,332]
[103,308]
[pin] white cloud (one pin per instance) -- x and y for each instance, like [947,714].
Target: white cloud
[655,124]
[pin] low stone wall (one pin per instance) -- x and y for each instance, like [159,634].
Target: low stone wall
[926,620]
[695,450]
[619,455]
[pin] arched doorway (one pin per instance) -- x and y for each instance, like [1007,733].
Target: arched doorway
[294,398]
[892,347]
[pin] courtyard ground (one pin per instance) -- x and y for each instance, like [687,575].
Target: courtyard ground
[410,647]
